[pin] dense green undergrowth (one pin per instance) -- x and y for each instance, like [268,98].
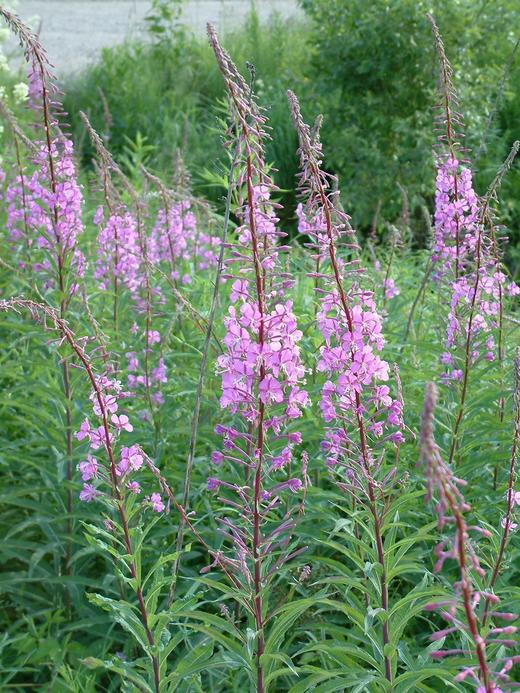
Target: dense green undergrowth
[56,636]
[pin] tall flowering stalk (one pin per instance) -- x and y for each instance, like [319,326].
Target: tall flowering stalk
[464,255]
[453,210]
[512,496]
[124,252]
[505,289]
[261,372]
[22,233]
[355,403]
[51,209]
[112,482]
[461,613]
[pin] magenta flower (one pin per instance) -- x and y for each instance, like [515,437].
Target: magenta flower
[261,369]
[122,423]
[153,337]
[157,502]
[213,483]
[177,241]
[119,254]
[44,216]
[359,410]
[84,430]
[88,493]
[88,468]
[390,288]
[104,399]
[133,487]
[352,396]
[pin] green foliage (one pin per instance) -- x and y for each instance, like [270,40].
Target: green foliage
[169,91]
[369,68]
[164,20]
[374,72]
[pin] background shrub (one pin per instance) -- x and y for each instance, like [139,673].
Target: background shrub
[368,67]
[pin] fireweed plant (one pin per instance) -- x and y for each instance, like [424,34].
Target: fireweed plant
[44,212]
[465,255]
[262,376]
[128,256]
[112,476]
[189,394]
[361,417]
[462,612]
[123,256]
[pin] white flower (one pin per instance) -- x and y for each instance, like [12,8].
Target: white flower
[20,92]
[4,65]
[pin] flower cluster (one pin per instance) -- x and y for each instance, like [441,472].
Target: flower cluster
[177,241]
[121,472]
[315,227]
[355,399]
[151,379]
[118,251]
[261,369]
[355,396]
[120,262]
[456,218]
[44,214]
[461,612]
[464,256]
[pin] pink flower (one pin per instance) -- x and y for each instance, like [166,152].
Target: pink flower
[217,457]
[511,526]
[282,459]
[213,483]
[239,289]
[122,422]
[84,430]
[158,398]
[153,337]
[133,363]
[133,487]
[157,502]
[159,372]
[88,468]
[390,288]
[98,216]
[88,493]
[131,459]
[270,390]
[295,485]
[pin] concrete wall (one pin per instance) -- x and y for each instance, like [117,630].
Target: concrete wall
[75,31]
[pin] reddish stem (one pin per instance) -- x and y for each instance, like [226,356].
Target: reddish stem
[465,583]
[360,423]
[116,491]
[259,275]
[508,520]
